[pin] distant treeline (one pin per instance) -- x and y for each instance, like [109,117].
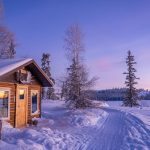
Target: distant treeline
[116,94]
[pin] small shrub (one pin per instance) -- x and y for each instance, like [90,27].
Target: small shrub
[33,122]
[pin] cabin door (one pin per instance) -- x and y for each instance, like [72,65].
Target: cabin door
[21,106]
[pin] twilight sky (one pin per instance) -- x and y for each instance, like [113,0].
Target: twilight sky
[111,28]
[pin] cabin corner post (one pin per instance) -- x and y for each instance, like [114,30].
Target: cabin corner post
[15,96]
[40,101]
[0,129]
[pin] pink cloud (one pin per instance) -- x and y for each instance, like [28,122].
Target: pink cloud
[103,64]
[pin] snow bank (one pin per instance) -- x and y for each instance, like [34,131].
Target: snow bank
[145,103]
[34,138]
[87,117]
[100,104]
[81,117]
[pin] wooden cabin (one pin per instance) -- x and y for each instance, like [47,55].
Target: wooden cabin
[21,82]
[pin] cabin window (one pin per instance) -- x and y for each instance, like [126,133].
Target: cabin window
[34,100]
[4,103]
[21,94]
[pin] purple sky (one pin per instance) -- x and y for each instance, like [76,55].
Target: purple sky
[111,28]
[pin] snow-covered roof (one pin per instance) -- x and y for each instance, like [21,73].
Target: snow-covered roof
[6,65]
[9,65]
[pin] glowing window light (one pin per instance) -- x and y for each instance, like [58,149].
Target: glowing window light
[21,94]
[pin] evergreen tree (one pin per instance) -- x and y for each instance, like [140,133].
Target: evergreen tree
[131,98]
[48,93]
[45,64]
[76,82]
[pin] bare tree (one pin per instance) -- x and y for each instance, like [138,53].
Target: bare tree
[7,43]
[7,40]
[11,49]
[1,10]
[76,82]
[131,97]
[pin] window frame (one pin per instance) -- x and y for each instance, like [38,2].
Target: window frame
[37,111]
[9,92]
[23,95]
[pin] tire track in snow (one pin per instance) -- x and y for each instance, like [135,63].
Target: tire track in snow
[120,131]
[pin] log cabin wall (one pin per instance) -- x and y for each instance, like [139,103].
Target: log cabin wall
[12,104]
[12,101]
[9,81]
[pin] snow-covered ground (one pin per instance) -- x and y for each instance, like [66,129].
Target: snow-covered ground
[57,130]
[107,127]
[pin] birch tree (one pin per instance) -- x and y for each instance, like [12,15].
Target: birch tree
[77,80]
[7,40]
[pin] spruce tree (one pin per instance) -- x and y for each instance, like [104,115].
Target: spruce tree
[131,96]
[76,82]
[45,64]
[48,92]
[74,85]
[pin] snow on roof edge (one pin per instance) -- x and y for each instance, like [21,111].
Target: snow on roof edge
[12,64]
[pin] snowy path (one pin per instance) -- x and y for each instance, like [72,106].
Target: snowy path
[121,131]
